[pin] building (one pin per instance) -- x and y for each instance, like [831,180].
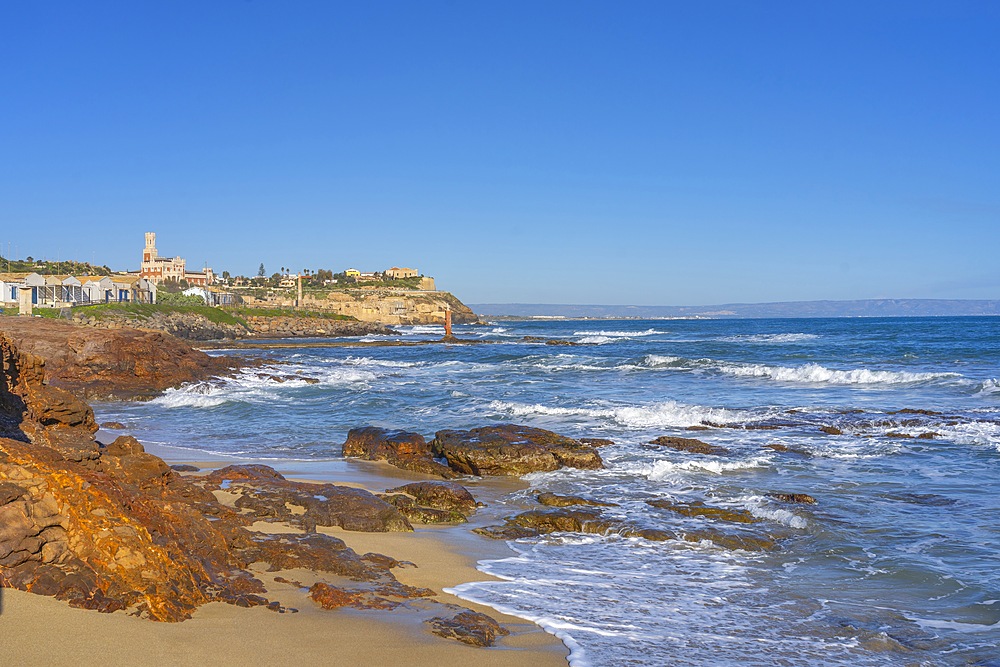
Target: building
[68,291]
[352,273]
[401,272]
[158,270]
[211,296]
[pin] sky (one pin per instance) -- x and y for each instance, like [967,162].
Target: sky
[653,153]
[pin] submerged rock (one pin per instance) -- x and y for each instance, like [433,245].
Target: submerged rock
[801,498]
[555,500]
[509,449]
[700,509]
[689,445]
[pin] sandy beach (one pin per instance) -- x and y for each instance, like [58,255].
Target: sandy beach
[49,631]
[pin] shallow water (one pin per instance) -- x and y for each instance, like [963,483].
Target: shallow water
[894,565]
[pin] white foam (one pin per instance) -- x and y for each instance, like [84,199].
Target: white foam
[665,414]
[768,339]
[662,470]
[816,374]
[597,340]
[989,387]
[621,334]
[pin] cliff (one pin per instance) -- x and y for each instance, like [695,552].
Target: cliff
[121,363]
[392,307]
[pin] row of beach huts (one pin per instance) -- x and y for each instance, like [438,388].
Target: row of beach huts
[67,291]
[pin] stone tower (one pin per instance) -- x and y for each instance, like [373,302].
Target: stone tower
[149,254]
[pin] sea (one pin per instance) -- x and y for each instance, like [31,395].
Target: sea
[892,426]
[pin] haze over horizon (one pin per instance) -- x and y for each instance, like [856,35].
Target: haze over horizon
[559,152]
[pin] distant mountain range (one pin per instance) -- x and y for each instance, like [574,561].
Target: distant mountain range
[861,308]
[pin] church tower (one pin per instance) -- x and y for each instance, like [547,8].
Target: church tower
[149,254]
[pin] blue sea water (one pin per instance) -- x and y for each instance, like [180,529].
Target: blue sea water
[896,563]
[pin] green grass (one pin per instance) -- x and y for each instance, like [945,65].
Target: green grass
[143,311]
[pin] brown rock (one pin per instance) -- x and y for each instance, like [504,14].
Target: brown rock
[402,449]
[597,442]
[689,445]
[122,363]
[439,495]
[467,626]
[112,426]
[509,449]
[267,496]
[831,430]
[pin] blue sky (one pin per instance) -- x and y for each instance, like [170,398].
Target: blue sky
[653,153]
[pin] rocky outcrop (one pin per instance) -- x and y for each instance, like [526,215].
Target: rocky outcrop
[114,528]
[432,502]
[265,495]
[510,449]
[386,306]
[119,363]
[403,449]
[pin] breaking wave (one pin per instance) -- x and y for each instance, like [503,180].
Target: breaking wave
[658,415]
[809,373]
[768,339]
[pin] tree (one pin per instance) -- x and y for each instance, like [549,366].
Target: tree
[226,275]
[261,272]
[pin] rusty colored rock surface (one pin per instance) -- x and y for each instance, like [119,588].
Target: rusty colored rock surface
[689,445]
[467,626]
[831,430]
[509,449]
[267,496]
[119,363]
[402,449]
[114,528]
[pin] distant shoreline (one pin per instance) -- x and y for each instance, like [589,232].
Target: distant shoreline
[867,308]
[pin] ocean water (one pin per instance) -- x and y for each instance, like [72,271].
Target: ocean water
[896,564]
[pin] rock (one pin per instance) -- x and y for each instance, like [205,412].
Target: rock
[597,442]
[792,498]
[785,449]
[439,495]
[267,496]
[831,430]
[113,528]
[700,509]
[911,411]
[184,467]
[689,445]
[333,597]
[402,449]
[418,514]
[124,444]
[534,523]
[554,500]
[467,626]
[112,426]
[509,449]
[119,363]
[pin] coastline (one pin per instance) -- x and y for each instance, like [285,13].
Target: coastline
[444,556]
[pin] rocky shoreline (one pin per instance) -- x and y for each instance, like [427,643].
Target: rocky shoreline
[111,527]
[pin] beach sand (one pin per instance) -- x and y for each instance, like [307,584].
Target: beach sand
[37,630]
